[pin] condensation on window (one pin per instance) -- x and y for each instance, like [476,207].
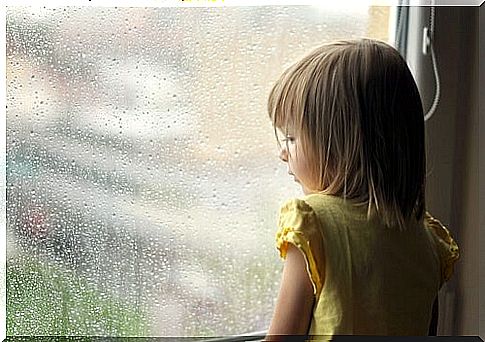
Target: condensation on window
[143,182]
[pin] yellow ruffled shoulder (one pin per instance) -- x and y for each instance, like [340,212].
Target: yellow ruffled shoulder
[447,247]
[298,225]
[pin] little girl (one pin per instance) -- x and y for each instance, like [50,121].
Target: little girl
[363,257]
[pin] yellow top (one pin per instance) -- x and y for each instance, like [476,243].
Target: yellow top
[368,279]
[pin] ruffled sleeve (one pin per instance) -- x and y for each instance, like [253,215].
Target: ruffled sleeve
[298,225]
[447,248]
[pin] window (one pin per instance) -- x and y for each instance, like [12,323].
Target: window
[143,182]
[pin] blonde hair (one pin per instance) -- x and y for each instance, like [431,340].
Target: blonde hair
[359,116]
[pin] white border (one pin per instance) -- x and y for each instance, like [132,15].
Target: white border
[145,3]
[228,3]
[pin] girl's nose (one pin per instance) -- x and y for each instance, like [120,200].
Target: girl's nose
[283,154]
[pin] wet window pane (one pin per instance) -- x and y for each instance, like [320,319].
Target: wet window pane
[142,174]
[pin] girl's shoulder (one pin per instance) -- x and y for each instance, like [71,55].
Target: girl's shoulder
[298,225]
[306,208]
[298,215]
[335,206]
[446,245]
[315,201]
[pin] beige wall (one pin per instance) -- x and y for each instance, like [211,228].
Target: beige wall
[378,19]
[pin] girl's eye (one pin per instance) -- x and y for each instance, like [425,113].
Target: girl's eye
[289,139]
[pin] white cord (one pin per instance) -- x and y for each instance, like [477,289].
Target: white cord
[400,24]
[431,19]
[437,93]
[399,28]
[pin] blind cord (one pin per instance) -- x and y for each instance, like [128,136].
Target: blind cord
[437,93]
[399,28]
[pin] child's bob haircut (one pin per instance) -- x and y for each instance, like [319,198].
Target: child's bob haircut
[356,109]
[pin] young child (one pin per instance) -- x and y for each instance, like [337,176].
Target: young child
[363,257]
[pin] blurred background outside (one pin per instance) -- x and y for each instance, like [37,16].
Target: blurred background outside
[143,182]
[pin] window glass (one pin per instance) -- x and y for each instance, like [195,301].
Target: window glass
[143,182]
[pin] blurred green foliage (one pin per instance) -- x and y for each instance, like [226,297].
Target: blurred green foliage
[44,300]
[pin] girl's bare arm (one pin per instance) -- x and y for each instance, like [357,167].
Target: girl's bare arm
[294,305]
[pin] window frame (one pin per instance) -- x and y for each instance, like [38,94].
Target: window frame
[250,336]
